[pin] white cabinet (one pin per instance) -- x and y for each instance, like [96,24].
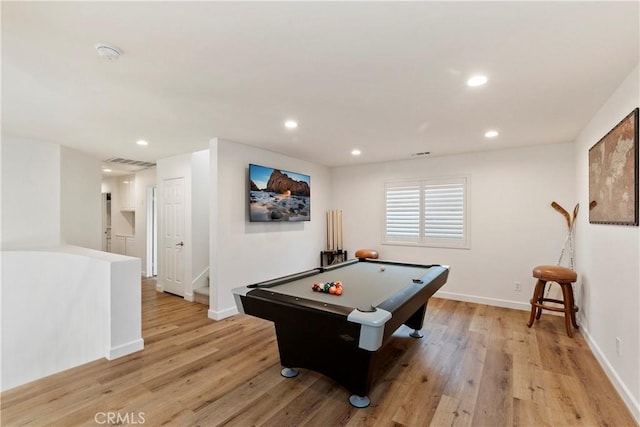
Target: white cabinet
[127,190]
[119,245]
[124,245]
[130,248]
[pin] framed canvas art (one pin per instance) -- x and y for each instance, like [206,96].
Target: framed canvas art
[613,175]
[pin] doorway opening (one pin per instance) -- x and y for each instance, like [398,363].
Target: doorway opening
[106,222]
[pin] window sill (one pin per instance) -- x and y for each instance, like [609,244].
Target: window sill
[430,245]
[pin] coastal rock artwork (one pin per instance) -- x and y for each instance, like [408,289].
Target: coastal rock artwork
[281,198]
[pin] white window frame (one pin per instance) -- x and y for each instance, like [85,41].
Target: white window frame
[421,240]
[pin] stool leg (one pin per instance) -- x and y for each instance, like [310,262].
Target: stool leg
[568,307]
[537,294]
[540,300]
[573,307]
[569,311]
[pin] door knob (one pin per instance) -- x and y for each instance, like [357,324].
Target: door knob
[180,244]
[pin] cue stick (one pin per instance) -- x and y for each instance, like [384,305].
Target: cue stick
[339,230]
[335,229]
[329,232]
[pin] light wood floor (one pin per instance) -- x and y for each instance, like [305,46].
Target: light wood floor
[477,365]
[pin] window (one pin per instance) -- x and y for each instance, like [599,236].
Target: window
[431,212]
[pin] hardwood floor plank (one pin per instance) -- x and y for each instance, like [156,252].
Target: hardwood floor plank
[482,319]
[463,384]
[223,408]
[553,355]
[601,397]
[451,412]
[275,402]
[495,407]
[567,402]
[86,414]
[425,388]
[528,381]
[528,413]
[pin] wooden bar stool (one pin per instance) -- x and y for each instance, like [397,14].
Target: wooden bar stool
[562,276]
[366,253]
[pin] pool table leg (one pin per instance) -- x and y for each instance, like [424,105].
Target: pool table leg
[359,401]
[416,334]
[289,372]
[416,321]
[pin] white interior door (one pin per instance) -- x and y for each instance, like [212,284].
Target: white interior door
[173,235]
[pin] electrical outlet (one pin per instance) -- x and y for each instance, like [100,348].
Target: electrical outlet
[618,346]
[517,287]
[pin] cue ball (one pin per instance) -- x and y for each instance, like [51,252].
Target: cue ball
[381,268]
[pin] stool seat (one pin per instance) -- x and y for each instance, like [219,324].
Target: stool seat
[562,276]
[366,253]
[554,273]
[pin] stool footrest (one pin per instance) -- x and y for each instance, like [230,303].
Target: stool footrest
[546,307]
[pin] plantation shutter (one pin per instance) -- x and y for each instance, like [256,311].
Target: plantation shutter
[402,212]
[430,212]
[444,211]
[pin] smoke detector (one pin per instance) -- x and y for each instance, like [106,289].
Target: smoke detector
[108,52]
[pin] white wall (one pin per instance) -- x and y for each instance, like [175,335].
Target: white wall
[30,193]
[200,192]
[512,226]
[66,306]
[50,194]
[608,263]
[244,252]
[80,200]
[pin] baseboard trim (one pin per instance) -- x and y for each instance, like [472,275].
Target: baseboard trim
[125,349]
[618,384]
[222,314]
[516,305]
[188,296]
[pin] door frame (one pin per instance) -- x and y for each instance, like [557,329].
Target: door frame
[152,231]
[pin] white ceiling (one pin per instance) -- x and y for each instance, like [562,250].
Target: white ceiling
[387,78]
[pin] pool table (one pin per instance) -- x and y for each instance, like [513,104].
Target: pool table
[341,336]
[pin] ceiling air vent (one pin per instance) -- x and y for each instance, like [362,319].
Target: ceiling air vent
[128,164]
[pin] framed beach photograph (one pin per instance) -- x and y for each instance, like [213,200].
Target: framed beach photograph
[613,175]
[277,195]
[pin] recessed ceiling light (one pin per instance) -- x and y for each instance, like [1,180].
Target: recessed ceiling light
[142,142]
[106,170]
[291,124]
[491,134]
[356,152]
[477,80]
